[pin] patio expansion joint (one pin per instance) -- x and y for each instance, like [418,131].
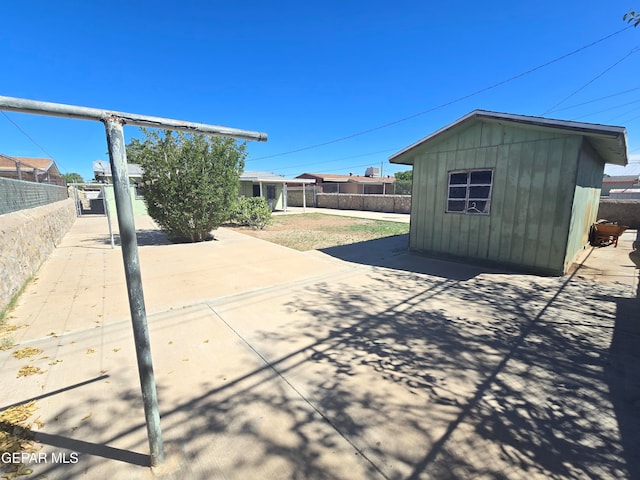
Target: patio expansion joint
[300,394]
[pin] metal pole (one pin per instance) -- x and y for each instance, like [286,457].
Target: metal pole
[118,157]
[284,196]
[77,200]
[86,113]
[106,210]
[115,138]
[304,199]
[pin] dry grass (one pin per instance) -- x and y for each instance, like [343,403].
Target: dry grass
[313,231]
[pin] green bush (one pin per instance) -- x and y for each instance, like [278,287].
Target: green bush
[190,181]
[253,212]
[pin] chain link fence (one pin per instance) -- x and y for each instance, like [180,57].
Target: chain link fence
[19,195]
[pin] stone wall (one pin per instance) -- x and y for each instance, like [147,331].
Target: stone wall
[342,201]
[27,237]
[625,212]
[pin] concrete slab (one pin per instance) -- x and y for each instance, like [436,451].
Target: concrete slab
[82,284]
[347,363]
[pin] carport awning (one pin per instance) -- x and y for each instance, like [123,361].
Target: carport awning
[264,177]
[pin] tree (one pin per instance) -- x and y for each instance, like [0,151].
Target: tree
[190,181]
[407,175]
[72,177]
[403,182]
[632,17]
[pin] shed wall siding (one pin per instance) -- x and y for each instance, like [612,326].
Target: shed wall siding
[586,200]
[531,203]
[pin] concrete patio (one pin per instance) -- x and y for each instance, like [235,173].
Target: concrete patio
[354,362]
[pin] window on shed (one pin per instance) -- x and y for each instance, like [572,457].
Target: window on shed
[469,192]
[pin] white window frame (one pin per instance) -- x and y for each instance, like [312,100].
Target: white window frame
[470,208]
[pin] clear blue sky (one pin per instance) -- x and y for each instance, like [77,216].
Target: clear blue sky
[308,73]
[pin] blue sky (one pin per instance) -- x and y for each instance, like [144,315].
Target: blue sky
[311,73]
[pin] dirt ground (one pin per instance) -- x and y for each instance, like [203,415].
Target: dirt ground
[315,231]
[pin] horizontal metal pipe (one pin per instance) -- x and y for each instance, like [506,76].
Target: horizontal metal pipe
[86,113]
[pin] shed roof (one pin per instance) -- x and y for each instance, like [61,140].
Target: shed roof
[609,141]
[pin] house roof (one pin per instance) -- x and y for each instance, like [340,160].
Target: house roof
[334,178]
[44,164]
[102,168]
[609,141]
[621,179]
[266,177]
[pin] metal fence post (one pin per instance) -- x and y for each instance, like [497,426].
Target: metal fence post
[124,208]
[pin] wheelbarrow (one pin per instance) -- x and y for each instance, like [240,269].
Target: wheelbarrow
[603,234]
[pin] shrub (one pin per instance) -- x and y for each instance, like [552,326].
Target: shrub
[253,212]
[190,181]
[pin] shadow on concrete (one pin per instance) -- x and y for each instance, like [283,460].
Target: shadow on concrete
[147,238]
[423,376]
[393,252]
[622,372]
[144,237]
[371,252]
[87,448]
[56,392]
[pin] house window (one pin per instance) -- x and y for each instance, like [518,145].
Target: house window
[469,192]
[256,190]
[139,191]
[271,192]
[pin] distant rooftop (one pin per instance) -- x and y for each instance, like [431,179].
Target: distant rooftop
[335,178]
[102,168]
[621,179]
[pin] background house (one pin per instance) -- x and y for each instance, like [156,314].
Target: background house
[102,174]
[39,170]
[370,183]
[509,189]
[273,188]
[619,182]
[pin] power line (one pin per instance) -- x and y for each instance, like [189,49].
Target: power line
[336,159]
[634,50]
[593,101]
[607,110]
[451,102]
[31,139]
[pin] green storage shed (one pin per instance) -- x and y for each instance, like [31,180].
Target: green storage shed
[509,190]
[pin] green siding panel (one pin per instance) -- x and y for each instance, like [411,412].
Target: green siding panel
[586,200]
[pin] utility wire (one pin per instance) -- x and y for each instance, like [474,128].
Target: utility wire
[607,109]
[31,139]
[451,102]
[594,100]
[636,49]
[290,167]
